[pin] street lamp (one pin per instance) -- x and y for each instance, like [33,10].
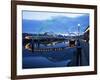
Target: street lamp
[79,49]
[78,29]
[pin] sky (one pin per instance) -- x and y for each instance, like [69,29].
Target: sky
[55,22]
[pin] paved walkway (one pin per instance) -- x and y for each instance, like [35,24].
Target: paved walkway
[85,52]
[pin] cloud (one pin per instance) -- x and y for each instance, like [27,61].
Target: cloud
[31,15]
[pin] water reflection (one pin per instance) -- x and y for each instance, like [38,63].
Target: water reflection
[54,44]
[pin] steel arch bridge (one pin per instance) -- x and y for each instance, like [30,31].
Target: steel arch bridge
[72,35]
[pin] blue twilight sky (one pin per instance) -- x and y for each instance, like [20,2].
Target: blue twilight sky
[55,22]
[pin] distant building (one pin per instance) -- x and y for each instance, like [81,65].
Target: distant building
[50,34]
[28,37]
[86,34]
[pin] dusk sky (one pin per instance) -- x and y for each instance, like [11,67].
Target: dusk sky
[55,22]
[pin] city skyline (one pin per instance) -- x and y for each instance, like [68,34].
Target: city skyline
[55,22]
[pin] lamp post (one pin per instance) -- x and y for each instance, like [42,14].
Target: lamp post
[78,30]
[79,49]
